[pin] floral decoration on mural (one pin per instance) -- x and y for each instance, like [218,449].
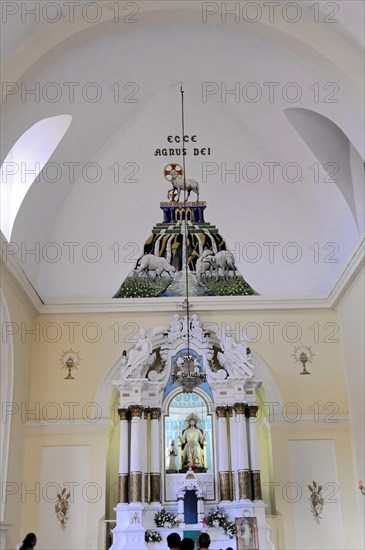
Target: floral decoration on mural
[316,501]
[62,508]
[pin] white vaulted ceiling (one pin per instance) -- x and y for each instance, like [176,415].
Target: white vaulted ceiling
[149,60]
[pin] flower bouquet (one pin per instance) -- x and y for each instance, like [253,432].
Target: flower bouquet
[217,517]
[152,536]
[165,519]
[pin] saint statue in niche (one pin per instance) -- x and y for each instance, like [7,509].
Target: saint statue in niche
[192,441]
[171,454]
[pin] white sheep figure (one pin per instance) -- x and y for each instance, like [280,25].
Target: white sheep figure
[178,184]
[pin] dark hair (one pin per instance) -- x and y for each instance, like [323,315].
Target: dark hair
[187,544]
[29,539]
[173,540]
[204,540]
[229,548]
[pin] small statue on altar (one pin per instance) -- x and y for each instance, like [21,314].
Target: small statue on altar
[171,454]
[192,441]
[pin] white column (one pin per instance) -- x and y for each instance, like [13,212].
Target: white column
[144,453]
[244,482]
[155,455]
[254,453]
[180,510]
[123,456]
[223,467]
[233,447]
[135,476]
[200,509]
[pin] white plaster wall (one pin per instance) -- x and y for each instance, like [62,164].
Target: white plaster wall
[61,465]
[316,460]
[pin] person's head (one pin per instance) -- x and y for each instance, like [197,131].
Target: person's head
[30,540]
[192,423]
[173,541]
[187,544]
[229,548]
[204,541]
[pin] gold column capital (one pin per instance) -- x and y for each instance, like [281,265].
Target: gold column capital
[136,411]
[252,410]
[155,413]
[221,412]
[239,408]
[230,411]
[123,414]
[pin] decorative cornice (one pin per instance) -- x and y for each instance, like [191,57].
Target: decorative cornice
[348,275]
[11,268]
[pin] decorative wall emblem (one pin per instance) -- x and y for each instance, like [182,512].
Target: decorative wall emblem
[70,360]
[62,508]
[303,354]
[316,500]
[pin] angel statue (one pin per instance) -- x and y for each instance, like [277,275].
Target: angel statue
[140,358]
[234,358]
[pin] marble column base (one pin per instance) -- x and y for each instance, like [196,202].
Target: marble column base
[225,485]
[244,485]
[256,486]
[123,488]
[135,487]
[155,488]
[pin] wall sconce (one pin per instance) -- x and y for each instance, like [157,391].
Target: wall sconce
[303,358]
[361,487]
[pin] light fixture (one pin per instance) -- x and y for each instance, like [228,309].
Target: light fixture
[361,487]
[303,358]
[186,372]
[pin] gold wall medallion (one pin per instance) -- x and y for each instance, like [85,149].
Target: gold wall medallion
[70,360]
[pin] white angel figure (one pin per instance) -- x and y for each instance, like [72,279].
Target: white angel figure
[140,358]
[234,359]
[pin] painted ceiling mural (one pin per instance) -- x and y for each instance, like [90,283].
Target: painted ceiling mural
[184,239]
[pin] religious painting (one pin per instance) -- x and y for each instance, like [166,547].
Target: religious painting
[184,251]
[246,534]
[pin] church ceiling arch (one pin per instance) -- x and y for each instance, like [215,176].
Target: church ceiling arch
[118,211]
